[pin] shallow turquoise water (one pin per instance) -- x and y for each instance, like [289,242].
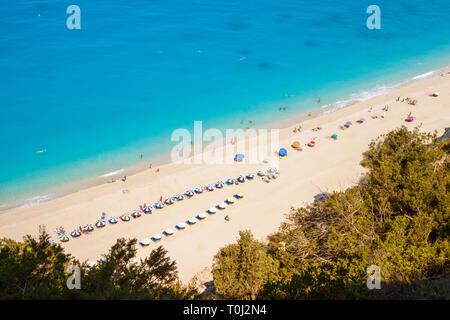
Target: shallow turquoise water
[98,97]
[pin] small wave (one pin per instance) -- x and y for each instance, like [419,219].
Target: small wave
[424,75]
[113,173]
[36,200]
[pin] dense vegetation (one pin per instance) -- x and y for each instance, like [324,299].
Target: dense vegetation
[396,218]
[36,269]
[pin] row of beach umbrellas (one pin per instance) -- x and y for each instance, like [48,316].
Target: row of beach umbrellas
[191,221]
[159,205]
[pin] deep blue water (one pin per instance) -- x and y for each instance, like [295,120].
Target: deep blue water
[98,97]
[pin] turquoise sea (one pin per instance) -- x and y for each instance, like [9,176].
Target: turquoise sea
[98,97]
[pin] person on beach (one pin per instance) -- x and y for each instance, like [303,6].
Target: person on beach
[157,170]
[227,218]
[160,198]
[295,130]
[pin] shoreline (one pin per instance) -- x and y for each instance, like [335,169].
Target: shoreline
[164,159]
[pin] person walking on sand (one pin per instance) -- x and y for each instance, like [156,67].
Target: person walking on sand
[160,198]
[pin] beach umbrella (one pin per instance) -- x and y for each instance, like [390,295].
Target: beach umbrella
[64,238]
[136,214]
[88,228]
[179,197]
[157,236]
[159,205]
[125,217]
[113,220]
[189,193]
[222,205]
[435,94]
[219,184]
[272,170]
[169,201]
[239,157]
[312,143]
[192,221]
[168,231]
[296,144]
[210,187]
[334,136]
[240,195]
[146,241]
[199,190]
[100,224]
[53,242]
[410,119]
[250,176]
[229,181]
[202,215]
[212,210]
[181,225]
[75,233]
[282,152]
[266,160]
[231,200]
[262,173]
[241,179]
[147,209]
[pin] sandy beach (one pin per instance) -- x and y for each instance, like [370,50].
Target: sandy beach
[330,165]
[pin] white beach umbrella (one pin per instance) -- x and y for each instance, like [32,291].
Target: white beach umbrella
[100,224]
[202,215]
[222,205]
[169,231]
[125,217]
[272,170]
[64,238]
[250,176]
[212,210]
[181,225]
[157,236]
[169,201]
[219,184]
[435,94]
[136,214]
[262,173]
[210,187]
[159,205]
[88,228]
[192,221]
[75,233]
[146,241]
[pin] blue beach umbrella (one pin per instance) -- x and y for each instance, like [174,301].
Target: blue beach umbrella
[210,187]
[241,179]
[147,209]
[189,193]
[113,220]
[199,190]
[239,157]
[282,152]
[219,184]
